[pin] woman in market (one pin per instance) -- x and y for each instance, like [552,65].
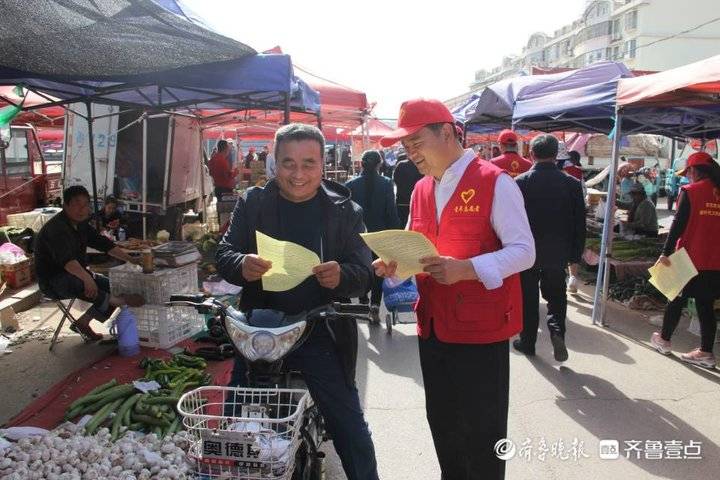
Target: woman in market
[375,194]
[695,228]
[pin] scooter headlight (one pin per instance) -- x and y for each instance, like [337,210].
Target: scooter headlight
[267,344]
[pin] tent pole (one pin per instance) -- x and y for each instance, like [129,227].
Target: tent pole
[286,118]
[91,146]
[603,278]
[319,121]
[144,179]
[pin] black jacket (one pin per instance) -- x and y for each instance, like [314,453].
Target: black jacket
[556,211]
[379,210]
[343,222]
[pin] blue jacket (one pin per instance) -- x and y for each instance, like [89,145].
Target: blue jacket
[379,209]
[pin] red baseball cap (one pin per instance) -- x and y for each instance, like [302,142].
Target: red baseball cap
[697,158]
[414,115]
[507,137]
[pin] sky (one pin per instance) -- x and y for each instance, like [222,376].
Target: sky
[391,50]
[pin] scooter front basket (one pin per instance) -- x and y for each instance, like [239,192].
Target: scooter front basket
[244,433]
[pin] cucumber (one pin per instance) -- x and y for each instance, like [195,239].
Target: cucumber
[101,415]
[121,414]
[151,421]
[165,400]
[99,389]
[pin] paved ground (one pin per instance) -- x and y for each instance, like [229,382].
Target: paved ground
[612,387]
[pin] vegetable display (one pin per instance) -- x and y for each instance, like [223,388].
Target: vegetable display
[122,408]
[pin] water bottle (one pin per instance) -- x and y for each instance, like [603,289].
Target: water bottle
[127,333]
[121,235]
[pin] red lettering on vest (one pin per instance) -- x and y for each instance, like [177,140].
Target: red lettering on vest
[464,312]
[703,228]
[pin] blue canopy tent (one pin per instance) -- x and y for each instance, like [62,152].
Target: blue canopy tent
[138,54]
[495,104]
[580,100]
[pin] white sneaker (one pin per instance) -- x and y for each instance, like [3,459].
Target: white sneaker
[572,285]
[661,345]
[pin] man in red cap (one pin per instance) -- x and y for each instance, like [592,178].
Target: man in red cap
[509,160]
[470,299]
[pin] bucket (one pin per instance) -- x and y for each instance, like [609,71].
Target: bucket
[127,333]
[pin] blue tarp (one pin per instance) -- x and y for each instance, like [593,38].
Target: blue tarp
[579,100]
[494,107]
[140,54]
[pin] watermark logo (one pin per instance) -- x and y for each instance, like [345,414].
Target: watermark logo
[505,449]
[609,449]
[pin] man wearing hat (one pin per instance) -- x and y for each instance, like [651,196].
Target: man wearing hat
[470,299]
[509,160]
[642,215]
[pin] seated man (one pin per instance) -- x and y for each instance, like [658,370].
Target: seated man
[61,261]
[298,206]
[642,216]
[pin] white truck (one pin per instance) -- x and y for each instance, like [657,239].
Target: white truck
[152,163]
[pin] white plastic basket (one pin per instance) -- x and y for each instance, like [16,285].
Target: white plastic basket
[157,287]
[244,433]
[160,326]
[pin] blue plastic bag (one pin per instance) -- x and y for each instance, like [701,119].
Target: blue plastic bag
[399,295]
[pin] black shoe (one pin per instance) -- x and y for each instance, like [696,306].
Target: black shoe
[375,315]
[521,346]
[559,350]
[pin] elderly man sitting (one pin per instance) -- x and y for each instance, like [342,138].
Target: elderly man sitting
[61,261]
[642,216]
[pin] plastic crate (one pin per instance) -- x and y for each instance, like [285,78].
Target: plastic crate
[162,327]
[157,287]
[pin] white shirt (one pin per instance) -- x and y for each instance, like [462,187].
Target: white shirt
[508,219]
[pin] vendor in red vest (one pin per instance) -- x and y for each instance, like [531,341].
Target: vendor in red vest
[510,160]
[696,227]
[470,299]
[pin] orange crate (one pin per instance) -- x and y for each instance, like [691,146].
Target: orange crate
[18,275]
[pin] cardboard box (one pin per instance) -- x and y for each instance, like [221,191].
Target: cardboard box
[18,275]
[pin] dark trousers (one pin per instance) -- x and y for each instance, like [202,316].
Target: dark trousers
[375,292]
[403,213]
[466,398]
[66,285]
[553,289]
[704,288]
[338,402]
[219,191]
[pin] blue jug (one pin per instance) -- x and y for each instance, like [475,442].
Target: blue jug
[127,333]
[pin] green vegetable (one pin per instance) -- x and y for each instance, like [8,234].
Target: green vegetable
[99,389]
[148,420]
[166,400]
[101,415]
[115,393]
[122,413]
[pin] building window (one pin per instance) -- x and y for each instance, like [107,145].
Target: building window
[616,29]
[631,20]
[629,50]
[616,53]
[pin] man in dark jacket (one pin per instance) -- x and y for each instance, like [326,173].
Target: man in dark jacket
[405,176]
[374,193]
[298,206]
[556,211]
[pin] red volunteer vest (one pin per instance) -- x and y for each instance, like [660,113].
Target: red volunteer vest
[703,228]
[465,312]
[512,163]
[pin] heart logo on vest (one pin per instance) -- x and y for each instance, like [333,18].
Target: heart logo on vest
[467,195]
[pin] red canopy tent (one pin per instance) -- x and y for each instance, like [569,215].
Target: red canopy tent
[690,85]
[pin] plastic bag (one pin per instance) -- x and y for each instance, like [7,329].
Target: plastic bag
[402,294]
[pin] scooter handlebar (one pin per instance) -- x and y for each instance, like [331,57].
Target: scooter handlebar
[351,308]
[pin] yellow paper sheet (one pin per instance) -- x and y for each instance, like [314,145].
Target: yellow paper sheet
[402,246]
[291,263]
[671,280]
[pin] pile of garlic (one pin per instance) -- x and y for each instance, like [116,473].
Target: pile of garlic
[65,454]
